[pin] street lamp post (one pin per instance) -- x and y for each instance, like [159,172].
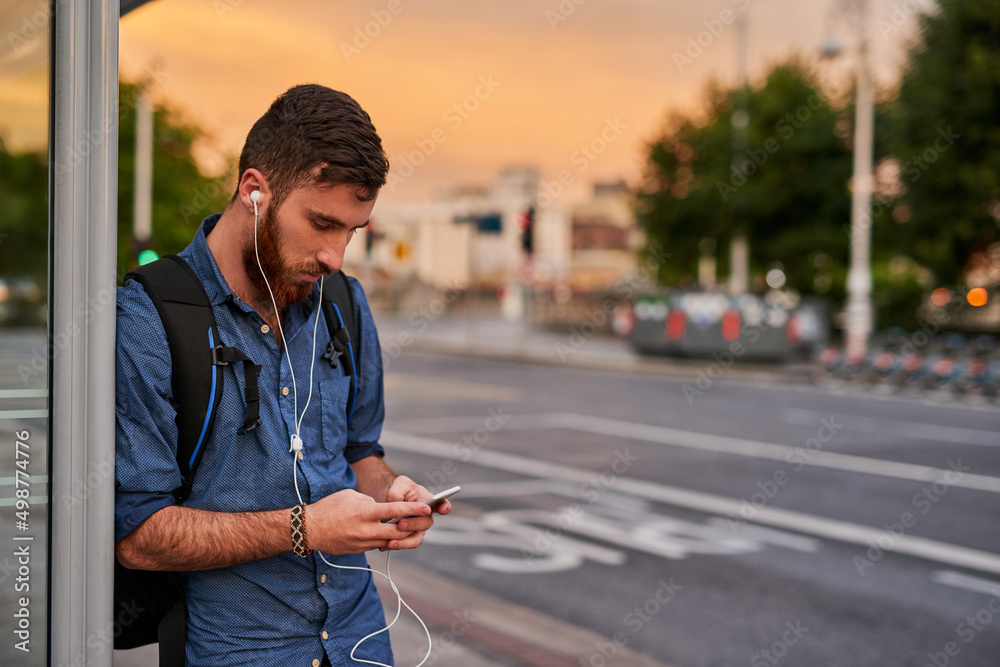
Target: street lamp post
[858,323]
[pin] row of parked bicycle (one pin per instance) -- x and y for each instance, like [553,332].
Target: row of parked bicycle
[946,367]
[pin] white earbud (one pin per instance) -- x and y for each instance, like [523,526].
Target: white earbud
[255,196]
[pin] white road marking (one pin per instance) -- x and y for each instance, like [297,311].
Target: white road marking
[24,393]
[33,501]
[23,414]
[800,522]
[33,479]
[967,581]
[918,430]
[719,444]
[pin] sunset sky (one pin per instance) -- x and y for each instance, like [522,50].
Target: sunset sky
[481,85]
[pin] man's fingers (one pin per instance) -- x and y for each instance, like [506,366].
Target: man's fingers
[400,510]
[443,507]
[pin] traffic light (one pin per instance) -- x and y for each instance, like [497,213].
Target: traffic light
[528,230]
[144,251]
[148,256]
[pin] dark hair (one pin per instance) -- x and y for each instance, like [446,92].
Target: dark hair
[313,133]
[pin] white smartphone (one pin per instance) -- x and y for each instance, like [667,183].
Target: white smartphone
[433,500]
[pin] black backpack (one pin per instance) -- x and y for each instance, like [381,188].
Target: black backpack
[149,606]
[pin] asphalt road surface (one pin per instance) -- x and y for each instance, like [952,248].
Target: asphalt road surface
[713,525]
[723,524]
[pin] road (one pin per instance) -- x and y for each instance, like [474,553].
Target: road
[712,525]
[606,516]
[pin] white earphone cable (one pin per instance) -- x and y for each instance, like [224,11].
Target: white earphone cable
[400,602]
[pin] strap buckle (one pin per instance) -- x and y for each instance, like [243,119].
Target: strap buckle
[246,428]
[216,356]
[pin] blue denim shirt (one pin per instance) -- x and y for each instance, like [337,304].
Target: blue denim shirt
[272,611]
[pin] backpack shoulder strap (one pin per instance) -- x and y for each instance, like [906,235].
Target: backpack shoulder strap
[197,357]
[345,343]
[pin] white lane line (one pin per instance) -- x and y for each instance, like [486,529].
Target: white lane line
[32,500]
[34,479]
[724,445]
[24,393]
[808,524]
[23,414]
[967,581]
[953,434]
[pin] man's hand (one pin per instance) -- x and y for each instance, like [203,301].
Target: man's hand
[348,522]
[405,489]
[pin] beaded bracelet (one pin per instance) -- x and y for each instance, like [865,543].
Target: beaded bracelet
[300,542]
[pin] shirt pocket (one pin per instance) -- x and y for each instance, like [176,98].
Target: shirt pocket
[333,400]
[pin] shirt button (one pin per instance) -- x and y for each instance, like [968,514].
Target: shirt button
[264,328]
[315,663]
[322,578]
[284,391]
[324,635]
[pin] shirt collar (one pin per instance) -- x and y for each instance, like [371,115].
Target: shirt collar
[201,259]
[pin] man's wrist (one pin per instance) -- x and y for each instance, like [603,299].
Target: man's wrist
[300,538]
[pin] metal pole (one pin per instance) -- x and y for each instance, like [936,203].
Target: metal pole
[739,246]
[83,174]
[142,225]
[859,277]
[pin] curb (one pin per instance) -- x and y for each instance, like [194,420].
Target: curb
[681,369]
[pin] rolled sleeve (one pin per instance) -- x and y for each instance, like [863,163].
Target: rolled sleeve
[146,471]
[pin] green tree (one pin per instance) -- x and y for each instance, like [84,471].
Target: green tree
[786,189]
[24,216]
[946,137]
[182,195]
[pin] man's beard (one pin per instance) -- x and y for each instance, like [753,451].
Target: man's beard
[286,287]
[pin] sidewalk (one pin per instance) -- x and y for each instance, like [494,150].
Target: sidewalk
[470,628]
[492,337]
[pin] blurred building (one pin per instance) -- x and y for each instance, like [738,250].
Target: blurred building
[472,237]
[604,238]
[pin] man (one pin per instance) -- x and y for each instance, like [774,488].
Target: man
[317,164]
